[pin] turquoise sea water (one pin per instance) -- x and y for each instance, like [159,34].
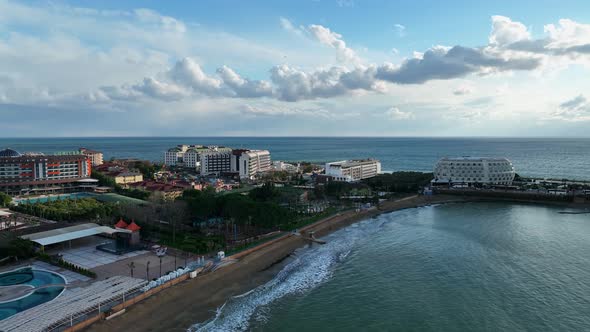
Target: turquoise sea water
[455,267]
[538,157]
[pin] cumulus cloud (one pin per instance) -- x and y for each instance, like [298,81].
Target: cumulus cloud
[294,84]
[327,37]
[506,32]
[443,63]
[395,114]
[189,73]
[162,90]
[243,87]
[575,109]
[565,38]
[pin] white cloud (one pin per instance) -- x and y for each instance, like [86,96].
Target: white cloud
[400,29]
[463,90]
[327,37]
[166,22]
[143,61]
[187,72]
[505,31]
[395,114]
[281,110]
[574,110]
[568,34]
[162,90]
[243,87]
[287,25]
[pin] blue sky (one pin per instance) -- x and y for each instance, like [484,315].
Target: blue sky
[324,67]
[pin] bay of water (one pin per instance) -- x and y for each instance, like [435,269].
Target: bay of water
[537,157]
[455,267]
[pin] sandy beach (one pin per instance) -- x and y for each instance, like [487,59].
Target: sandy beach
[181,306]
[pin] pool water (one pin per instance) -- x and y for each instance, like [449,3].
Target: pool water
[52,198]
[39,278]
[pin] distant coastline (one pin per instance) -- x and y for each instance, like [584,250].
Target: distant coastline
[532,157]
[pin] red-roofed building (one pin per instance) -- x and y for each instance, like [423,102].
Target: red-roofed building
[133,227]
[121,224]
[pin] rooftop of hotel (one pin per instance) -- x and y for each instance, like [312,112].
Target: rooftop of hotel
[469,158]
[352,163]
[9,153]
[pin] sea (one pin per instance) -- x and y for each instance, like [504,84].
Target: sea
[453,267]
[555,158]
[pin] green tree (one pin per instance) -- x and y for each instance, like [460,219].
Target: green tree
[5,200]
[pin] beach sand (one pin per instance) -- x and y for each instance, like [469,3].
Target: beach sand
[196,300]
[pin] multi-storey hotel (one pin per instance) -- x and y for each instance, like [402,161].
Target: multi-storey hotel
[215,160]
[249,163]
[353,170]
[37,173]
[471,170]
[190,156]
[95,157]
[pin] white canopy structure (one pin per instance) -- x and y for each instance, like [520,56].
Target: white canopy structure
[70,233]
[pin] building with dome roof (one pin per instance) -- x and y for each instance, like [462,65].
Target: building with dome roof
[22,174]
[9,153]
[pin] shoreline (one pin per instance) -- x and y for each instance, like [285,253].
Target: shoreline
[197,300]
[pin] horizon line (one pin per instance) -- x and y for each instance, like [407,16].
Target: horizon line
[287,136]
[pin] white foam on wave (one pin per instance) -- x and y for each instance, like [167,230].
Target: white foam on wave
[311,267]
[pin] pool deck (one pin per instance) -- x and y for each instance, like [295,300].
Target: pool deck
[83,252]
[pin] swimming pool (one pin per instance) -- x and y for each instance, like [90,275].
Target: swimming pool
[34,278]
[51,198]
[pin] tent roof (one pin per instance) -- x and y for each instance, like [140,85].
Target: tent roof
[70,233]
[121,224]
[133,227]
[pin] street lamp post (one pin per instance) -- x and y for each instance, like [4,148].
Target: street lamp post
[131,267]
[147,271]
[160,266]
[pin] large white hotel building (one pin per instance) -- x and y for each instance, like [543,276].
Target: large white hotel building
[471,170]
[215,160]
[353,170]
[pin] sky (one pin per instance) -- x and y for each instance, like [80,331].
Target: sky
[295,68]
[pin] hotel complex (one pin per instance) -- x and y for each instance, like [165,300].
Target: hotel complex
[470,170]
[214,160]
[95,156]
[248,163]
[38,173]
[353,170]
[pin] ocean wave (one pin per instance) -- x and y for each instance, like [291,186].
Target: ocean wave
[311,267]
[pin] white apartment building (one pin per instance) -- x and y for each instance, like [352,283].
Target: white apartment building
[174,156]
[248,163]
[353,170]
[190,156]
[471,170]
[96,157]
